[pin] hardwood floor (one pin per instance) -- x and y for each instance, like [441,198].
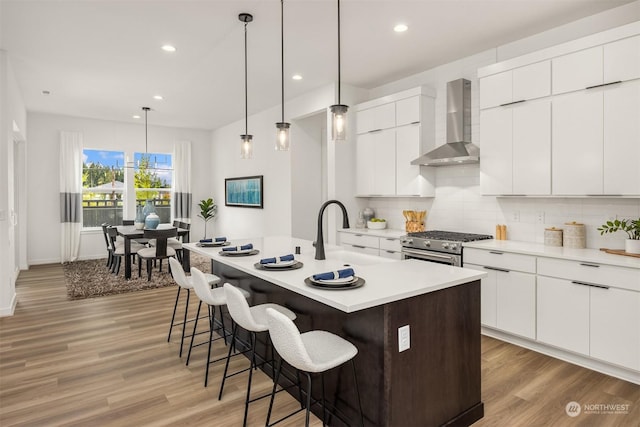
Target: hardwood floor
[105,361]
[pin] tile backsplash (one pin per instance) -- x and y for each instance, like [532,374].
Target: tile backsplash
[459,206]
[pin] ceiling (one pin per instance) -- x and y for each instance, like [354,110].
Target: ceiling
[102,58]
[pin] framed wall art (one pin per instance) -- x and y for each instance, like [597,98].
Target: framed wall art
[245,192]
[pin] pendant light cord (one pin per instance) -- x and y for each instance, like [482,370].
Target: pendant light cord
[338,51]
[282,51]
[246,94]
[146,137]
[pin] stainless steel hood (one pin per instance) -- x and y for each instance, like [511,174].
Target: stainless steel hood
[458,149]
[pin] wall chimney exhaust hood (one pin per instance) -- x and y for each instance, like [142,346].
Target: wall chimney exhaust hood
[458,149]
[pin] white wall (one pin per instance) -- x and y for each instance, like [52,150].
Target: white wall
[458,204]
[12,128]
[43,240]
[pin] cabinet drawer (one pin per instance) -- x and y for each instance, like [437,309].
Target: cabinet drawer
[359,240]
[386,253]
[599,274]
[499,259]
[362,249]
[390,244]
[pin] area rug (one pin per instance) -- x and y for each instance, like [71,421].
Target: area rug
[92,278]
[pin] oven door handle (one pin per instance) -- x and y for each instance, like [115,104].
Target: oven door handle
[431,255]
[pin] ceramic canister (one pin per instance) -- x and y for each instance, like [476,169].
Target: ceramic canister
[553,236]
[574,236]
[152,221]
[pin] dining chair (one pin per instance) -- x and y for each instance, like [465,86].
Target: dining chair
[176,243]
[116,248]
[159,251]
[104,226]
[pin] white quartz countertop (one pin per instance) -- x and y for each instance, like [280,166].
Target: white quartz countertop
[389,233]
[538,249]
[386,280]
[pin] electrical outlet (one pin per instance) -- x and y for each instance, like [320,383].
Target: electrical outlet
[515,216]
[540,218]
[404,338]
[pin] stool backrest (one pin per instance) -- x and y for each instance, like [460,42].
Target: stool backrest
[178,273]
[287,341]
[161,236]
[239,309]
[203,290]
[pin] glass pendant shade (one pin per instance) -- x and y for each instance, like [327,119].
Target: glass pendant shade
[246,146]
[339,122]
[282,136]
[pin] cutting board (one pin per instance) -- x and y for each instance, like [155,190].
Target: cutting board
[619,252]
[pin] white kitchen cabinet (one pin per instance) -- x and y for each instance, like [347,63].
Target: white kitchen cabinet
[388,247]
[563,314]
[364,164]
[577,70]
[622,138]
[577,148]
[520,84]
[508,296]
[622,60]
[408,111]
[615,326]
[376,118]
[516,149]
[409,181]
[384,162]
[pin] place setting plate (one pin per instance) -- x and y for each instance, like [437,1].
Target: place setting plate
[246,252]
[280,266]
[344,283]
[212,244]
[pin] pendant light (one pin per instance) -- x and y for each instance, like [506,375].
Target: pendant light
[282,127]
[339,111]
[246,143]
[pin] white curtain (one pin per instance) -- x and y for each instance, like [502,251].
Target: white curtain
[70,194]
[182,181]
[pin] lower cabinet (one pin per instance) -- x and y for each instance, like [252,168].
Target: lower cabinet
[387,247]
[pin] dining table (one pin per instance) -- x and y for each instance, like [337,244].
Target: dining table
[130,232]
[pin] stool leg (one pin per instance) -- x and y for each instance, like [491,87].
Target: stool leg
[324,407]
[355,381]
[173,316]
[226,365]
[273,391]
[306,422]
[212,313]
[253,365]
[193,335]
[184,323]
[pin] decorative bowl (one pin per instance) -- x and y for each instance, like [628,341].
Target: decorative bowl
[376,225]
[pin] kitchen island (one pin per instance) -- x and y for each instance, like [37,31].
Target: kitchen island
[434,382]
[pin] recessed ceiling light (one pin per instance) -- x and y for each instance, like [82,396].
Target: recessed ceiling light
[296,77]
[46,92]
[158,97]
[168,48]
[400,28]
[135,116]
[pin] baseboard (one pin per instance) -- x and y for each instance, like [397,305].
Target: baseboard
[574,358]
[8,311]
[44,261]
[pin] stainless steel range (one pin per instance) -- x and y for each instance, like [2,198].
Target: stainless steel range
[444,247]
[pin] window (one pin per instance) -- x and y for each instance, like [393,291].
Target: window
[153,179]
[102,187]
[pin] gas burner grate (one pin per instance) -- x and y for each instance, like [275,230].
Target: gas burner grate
[451,236]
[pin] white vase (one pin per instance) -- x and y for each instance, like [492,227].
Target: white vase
[632,246]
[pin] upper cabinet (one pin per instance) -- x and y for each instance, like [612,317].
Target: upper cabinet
[567,123]
[393,131]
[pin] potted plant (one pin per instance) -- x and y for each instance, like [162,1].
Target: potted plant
[629,226]
[207,212]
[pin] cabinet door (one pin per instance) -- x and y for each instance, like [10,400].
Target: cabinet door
[386,253]
[496,90]
[622,60]
[516,303]
[532,147]
[577,70]
[615,326]
[496,151]
[408,111]
[362,250]
[384,116]
[563,314]
[384,162]
[488,296]
[532,81]
[577,128]
[365,168]
[622,139]
[364,121]
[408,179]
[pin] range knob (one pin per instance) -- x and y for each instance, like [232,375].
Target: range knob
[453,246]
[427,243]
[445,245]
[406,241]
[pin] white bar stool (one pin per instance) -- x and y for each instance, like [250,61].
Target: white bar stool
[310,352]
[184,282]
[252,319]
[213,298]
